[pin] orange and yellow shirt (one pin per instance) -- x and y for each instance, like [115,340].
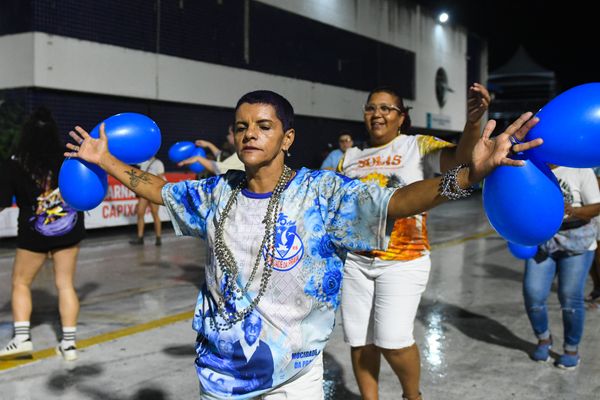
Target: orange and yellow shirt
[404,160]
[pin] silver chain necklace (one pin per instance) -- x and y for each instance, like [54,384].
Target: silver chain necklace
[227,263]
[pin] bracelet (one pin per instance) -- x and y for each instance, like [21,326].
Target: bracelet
[449,187]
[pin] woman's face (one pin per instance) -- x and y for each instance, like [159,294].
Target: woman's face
[259,137]
[383,128]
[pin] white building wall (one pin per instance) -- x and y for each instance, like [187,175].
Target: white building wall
[16,60]
[55,62]
[406,26]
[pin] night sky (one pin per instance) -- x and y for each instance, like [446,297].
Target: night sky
[564,37]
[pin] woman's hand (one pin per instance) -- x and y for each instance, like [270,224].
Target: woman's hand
[96,152]
[478,101]
[490,153]
[190,160]
[209,145]
[205,162]
[203,143]
[87,148]
[569,210]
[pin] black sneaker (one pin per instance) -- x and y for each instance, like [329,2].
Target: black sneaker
[158,241]
[137,241]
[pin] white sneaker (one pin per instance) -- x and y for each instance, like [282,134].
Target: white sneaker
[16,349]
[69,354]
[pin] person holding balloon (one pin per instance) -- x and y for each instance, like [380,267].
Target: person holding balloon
[568,255]
[214,167]
[184,153]
[47,228]
[155,167]
[286,265]
[226,150]
[383,288]
[224,159]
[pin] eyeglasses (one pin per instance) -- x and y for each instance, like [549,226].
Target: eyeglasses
[384,109]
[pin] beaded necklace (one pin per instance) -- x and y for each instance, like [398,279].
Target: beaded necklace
[228,264]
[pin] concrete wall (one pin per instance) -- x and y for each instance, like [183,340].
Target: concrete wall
[404,25]
[63,63]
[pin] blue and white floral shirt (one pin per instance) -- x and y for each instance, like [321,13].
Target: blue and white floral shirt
[323,215]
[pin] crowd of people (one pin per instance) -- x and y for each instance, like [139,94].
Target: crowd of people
[265,312]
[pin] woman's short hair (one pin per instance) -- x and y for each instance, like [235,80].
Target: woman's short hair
[283,108]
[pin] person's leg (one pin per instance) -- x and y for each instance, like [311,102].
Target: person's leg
[537,282]
[142,205]
[572,273]
[157,223]
[366,363]
[406,364]
[25,267]
[65,263]
[398,294]
[358,292]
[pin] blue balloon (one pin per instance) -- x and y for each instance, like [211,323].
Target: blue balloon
[180,151]
[570,127]
[132,138]
[82,185]
[197,167]
[524,204]
[521,251]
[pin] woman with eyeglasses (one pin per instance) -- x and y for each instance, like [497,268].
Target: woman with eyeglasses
[382,288]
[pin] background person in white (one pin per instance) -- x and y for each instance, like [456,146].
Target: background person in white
[568,257]
[155,167]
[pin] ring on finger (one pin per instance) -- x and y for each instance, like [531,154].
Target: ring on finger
[514,142]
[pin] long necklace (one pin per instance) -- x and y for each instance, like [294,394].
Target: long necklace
[228,264]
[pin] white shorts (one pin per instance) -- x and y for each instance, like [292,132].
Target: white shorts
[597,221]
[380,300]
[307,385]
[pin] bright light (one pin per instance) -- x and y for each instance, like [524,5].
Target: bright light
[443,18]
